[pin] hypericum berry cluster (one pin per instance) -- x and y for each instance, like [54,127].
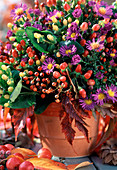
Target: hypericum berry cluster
[66,47]
[6,84]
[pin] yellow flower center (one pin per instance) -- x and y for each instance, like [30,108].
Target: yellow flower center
[68,51]
[73,35]
[101,96]
[49,66]
[88,101]
[94,45]
[102,10]
[111,93]
[112,55]
[19,11]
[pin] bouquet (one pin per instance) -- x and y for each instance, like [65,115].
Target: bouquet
[64,52]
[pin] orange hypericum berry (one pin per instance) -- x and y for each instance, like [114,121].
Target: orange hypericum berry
[14,53]
[78,68]
[30,54]
[84,26]
[30,73]
[65,84]
[42,96]
[93,35]
[115,36]
[30,61]
[49,3]
[12,60]
[83,42]
[29,49]
[63,78]
[39,68]
[90,71]
[109,39]
[22,42]
[36,74]
[96,27]
[22,63]
[19,47]
[66,7]
[85,54]
[82,93]
[91,82]
[87,75]
[63,66]
[56,74]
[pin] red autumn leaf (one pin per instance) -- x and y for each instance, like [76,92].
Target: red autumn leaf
[67,129]
[82,128]
[72,114]
[19,118]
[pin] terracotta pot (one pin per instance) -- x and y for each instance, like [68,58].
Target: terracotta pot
[52,137]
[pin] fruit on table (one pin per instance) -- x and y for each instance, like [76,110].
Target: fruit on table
[1,167]
[2,147]
[9,146]
[13,163]
[44,153]
[26,165]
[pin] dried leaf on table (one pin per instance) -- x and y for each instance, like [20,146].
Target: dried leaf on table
[46,164]
[83,164]
[27,153]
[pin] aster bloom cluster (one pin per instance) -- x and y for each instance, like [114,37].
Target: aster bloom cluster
[58,49]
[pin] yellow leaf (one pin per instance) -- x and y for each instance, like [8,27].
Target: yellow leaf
[27,153]
[86,163]
[46,164]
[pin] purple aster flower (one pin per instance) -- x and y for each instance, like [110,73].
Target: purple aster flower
[111,93]
[91,3]
[24,59]
[49,65]
[112,62]
[99,97]
[68,50]
[30,11]
[107,27]
[9,33]
[38,26]
[8,46]
[77,13]
[113,55]
[86,103]
[37,11]
[95,45]
[72,32]
[99,75]
[75,59]
[103,10]
[26,24]
[18,12]
[115,15]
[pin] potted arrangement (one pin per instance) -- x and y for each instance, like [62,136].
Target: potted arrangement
[62,56]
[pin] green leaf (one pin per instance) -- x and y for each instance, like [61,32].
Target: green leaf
[23,101]
[15,75]
[80,49]
[3,100]
[20,35]
[30,33]
[16,91]
[42,104]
